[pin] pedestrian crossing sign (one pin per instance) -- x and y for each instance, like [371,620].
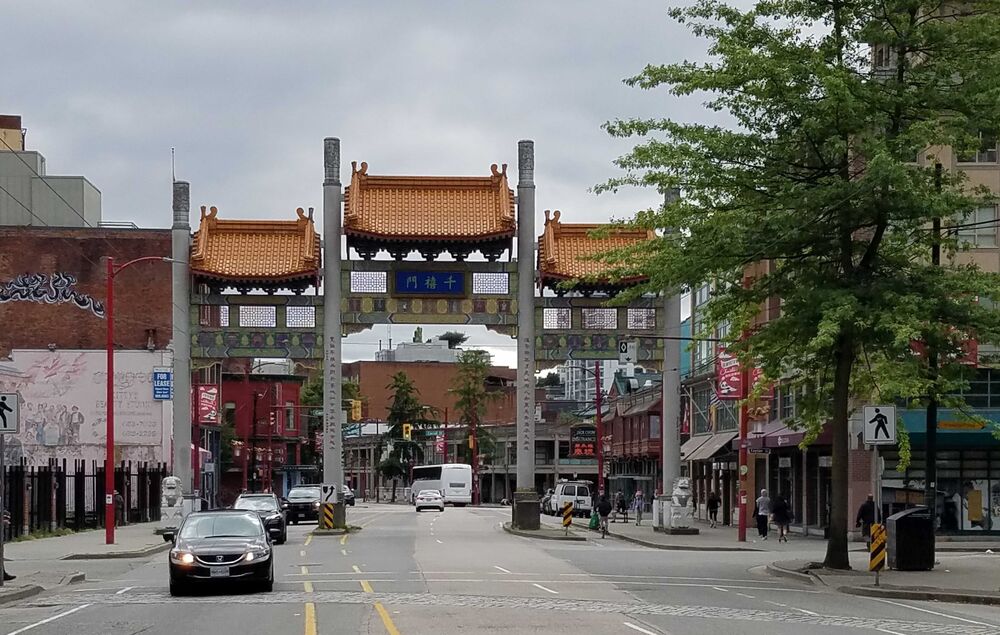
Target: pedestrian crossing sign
[880,425]
[9,413]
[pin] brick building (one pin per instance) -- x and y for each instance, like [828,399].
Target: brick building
[53,288]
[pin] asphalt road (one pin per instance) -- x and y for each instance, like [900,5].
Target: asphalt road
[458,572]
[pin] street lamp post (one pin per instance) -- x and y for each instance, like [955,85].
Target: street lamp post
[109,457]
[599,421]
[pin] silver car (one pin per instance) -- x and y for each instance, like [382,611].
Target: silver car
[429,499]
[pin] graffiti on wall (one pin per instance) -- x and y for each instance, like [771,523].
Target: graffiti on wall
[62,400]
[55,289]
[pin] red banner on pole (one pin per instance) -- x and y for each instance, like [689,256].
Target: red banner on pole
[208,404]
[729,384]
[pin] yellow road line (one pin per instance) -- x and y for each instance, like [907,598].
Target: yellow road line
[343,539]
[309,539]
[343,552]
[310,619]
[386,620]
[390,627]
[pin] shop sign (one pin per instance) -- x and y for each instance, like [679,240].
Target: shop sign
[961,425]
[784,461]
[583,442]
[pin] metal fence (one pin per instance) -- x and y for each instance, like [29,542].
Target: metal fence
[71,495]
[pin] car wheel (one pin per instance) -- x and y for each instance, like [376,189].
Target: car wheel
[268,585]
[351,503]
[177,590]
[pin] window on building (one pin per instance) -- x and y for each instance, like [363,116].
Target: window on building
[775,404]
[699,414]
[229,414]
[727,416]
[787,402]
[979,229]
[702,352]
[985,153]
[563,449]
[290,418]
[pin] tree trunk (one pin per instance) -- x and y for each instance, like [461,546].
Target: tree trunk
[836,546]
[394,481]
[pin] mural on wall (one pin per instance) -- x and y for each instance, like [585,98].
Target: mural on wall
[55,289]
[62,399]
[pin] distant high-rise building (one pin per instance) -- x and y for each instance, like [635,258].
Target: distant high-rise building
[30,197]
[577,378]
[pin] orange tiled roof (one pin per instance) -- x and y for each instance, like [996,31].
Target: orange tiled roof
[256,249]
[423,208]
[564,247]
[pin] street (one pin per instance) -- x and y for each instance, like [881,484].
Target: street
[458,571]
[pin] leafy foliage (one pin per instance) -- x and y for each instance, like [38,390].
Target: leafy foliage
[812,195]
[454,338]
[405,408]
[472,398]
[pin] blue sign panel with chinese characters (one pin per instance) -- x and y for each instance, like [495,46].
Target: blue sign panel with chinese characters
[163,383]
[429,283]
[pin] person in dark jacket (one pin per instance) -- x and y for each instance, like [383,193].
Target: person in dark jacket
[713,502]
[4,521]
[781,513]
[866,516]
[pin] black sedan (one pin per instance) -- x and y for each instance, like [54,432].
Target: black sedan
[270,510]
[220,547]
[303,503]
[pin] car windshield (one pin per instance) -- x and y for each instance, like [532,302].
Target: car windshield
[261,504]
[222,526]
[306,492]
[429,493]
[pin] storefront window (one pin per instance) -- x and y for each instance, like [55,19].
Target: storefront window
[727,416]
[700,413]
[968,492]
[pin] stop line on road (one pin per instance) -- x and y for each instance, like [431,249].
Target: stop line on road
[529,603]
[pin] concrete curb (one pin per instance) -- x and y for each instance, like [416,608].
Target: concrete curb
[352,529]
[781,572]
[12,594]
[528,533]
[939,595]
[120,555]
[656,545]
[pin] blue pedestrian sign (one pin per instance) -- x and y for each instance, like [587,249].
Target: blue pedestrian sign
[163,383]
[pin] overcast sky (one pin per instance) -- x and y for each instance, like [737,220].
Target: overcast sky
[246,91]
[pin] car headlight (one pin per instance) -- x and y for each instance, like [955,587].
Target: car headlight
[257,554]
[181,557]
[315,504]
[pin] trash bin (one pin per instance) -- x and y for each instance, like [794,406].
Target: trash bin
[911,540]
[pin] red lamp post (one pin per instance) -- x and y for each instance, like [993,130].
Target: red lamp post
[599,421]
[109,459]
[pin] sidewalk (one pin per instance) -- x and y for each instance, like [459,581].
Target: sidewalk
[719,539]
[50,562]
[966,578]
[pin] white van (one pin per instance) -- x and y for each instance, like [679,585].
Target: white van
[576,492]
[452,480]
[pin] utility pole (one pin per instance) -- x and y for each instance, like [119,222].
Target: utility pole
[930,483]
[744,440]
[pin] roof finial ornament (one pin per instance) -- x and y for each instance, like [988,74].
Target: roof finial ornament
[301,213]
[203,214]
[311,213]
[212,211]
[364,168]
[554,216]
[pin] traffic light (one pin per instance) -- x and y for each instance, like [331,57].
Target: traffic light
[274,418]
[355,409]
[407,431]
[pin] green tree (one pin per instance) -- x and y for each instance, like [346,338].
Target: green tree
[454,338]
[390,468]
[472,398]
[814,176]
[551,379]
[405,407]
[312,398]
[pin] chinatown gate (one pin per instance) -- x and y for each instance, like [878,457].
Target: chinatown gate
[399,215]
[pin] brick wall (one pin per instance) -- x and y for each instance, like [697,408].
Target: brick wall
[433,380]
[142,292]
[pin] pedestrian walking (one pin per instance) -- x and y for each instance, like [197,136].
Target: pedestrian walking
[713,503]
[623,505]
[5,522]
[781,512]
[762,510]
[866,516]
[638,503]
[119,509]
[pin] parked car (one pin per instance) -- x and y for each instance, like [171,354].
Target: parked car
[429,499]
[576,492]
[348,496]
[270,510]
[220,547]
[547,503]
[303,503]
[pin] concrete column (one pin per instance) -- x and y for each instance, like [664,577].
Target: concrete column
[333,459]
[671,381]
[181,338]
[526,315]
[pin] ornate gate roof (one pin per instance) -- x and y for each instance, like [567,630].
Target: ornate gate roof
[429,213]
[565,252]
[248,254]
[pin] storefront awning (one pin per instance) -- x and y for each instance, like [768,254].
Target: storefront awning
[789,438]
[715,443]
[692,444]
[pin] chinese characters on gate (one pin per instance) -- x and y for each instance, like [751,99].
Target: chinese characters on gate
[429,283]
